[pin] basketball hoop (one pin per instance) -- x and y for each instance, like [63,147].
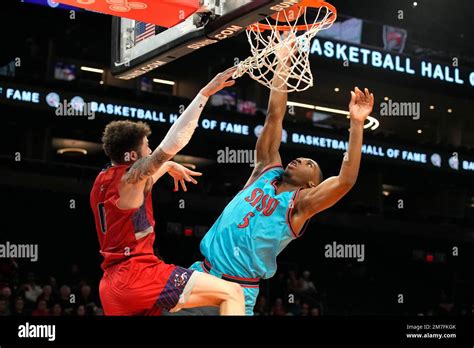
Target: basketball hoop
[301,23]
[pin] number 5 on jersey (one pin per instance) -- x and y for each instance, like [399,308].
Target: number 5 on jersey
[245,223]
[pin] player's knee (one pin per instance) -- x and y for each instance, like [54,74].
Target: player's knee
[235,292]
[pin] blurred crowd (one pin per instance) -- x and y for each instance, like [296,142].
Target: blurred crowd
[27,295]
[290,293]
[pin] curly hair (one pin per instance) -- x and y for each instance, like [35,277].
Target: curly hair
[121,137]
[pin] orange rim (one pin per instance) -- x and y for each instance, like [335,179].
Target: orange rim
[301,27]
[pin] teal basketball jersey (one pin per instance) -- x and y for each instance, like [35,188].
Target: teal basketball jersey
[253,229]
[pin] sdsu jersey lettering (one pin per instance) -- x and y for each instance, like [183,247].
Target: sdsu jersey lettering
[122,233]
[253,229]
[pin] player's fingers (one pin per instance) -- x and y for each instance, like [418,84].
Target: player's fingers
[353,98]
[372,98]
[183,185]
[194,181]
[176,188]
[229,83]
[193,173]
[229,72]
[227,78]
[367,94]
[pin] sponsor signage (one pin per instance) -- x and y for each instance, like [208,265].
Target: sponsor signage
[349,53]
[53,99]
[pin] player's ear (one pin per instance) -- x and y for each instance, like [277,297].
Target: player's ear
[133,155]
[311,184]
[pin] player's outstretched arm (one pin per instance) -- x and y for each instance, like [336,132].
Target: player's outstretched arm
[268,142]
[326,194]
[178,136]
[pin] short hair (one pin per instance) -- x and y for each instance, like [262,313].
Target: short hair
[321,176]
[121,137]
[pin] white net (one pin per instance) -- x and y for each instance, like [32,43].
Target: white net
[267,44]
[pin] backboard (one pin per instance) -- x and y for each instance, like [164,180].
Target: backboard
[138,47]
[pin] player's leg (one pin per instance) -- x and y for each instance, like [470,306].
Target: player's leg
[208,290]
[251,295]
[195,311]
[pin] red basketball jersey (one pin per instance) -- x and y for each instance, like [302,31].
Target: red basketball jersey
[122,233]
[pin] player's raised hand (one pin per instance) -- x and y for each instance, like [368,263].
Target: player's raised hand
[361,105]
[219,82]
[182,174]
[285,50]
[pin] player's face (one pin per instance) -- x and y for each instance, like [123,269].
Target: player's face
[144,149]
[303,172]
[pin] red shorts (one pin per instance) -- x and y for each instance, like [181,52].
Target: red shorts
[144,287]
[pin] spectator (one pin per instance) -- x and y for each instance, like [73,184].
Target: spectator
[446,306]
[98,311]
[293,284]
[32,290]
[47,295]
[41,309]
[86,295]
[4,310]
[278,308]
[7,293]
[295,307]
[56,310]
[86,299]
[8,270]
[66,299]
[261,306]
[19,308]
[304,309]
[306,285]
[81,311]
[52,281]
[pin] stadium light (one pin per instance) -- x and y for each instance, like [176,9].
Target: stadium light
[94,70]
[164,82]
[72,150]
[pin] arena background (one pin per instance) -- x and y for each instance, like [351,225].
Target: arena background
[416,220]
